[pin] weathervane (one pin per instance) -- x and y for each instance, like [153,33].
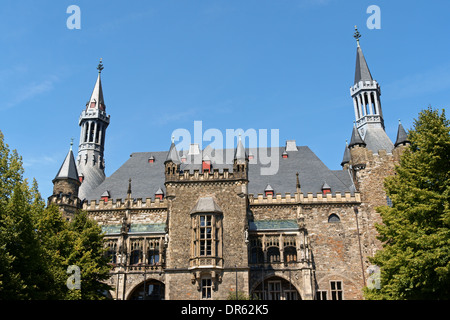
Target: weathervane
[100,66]
[357,35]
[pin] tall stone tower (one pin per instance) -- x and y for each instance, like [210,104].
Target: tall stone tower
[93,122]
[371,156]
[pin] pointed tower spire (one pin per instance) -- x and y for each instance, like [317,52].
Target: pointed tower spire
[173,155]
[366,95]
[346,157]
[93,122]
[240,155]
[356,139]
[362,71]
[96,101]
[68,169]
[402,136]
[66,186]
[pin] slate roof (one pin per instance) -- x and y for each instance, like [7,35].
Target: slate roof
[68,169]
[273,225]
[362,72]
[147,177]
[135,228]
[376,139]
[356,138]
[206,204]
[402,136]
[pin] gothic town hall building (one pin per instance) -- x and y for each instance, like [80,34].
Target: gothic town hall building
[183,224]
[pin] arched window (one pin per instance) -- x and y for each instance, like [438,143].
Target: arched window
[333,218]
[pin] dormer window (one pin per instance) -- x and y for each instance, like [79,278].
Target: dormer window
[183,158]
[326,189]
[250,155]
[105,196]
[269,190]
[81,178]
[159,194]
[284,155]
[151,159]
[206,164]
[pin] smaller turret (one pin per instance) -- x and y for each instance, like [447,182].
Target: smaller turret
[65,187]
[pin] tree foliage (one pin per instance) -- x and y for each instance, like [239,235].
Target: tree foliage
[415,259]
[37,245]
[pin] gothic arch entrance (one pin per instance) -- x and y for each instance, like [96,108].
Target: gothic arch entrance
[148,290]
[276,288]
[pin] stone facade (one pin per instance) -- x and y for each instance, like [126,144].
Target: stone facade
[206,237]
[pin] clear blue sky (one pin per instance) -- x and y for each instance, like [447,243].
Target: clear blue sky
[261,64]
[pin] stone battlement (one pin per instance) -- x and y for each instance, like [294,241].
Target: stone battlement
[138,203]
[205,175]
[310,198]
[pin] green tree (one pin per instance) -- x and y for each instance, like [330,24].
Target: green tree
[37,245]
[415,258]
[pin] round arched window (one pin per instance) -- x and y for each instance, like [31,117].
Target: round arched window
[333,218]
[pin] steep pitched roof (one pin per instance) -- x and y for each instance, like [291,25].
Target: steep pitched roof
[356,138]
[346,157]
[148,178]
[173,154]
[362,71]
[402,136]
[68,168]
[240,153]
[376,139]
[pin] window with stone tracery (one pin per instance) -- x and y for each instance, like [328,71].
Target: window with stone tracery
[111,250]
[207,237]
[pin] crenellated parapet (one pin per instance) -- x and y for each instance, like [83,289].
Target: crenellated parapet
[300,198]
[120,204]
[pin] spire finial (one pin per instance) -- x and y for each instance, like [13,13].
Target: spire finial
[399,122]
[173,139]
[71,143]
[129,186]
[100,66]
[357,35]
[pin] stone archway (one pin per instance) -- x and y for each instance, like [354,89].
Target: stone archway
[151,289]
[275,288]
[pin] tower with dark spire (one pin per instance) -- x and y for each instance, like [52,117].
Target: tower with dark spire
[366,94]
[93,122]
[66,187]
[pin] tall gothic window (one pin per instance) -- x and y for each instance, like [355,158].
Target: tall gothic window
[207,235]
